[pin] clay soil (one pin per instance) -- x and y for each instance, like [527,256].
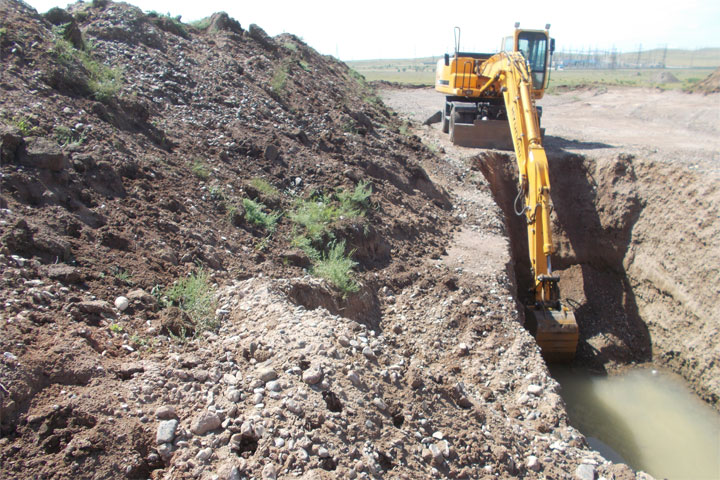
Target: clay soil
[108,200]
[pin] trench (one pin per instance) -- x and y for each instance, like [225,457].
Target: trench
[633,265]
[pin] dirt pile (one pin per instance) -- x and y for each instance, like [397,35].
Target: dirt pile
[708,85]
[158,320]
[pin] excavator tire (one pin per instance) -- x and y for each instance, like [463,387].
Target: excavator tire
[444,119]
[454,119]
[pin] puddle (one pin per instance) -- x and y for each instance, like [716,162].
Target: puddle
[645,418]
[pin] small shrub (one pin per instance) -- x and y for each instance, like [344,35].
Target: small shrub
[65,136]
[200,170]
[255,214]
[278,82]
[336,268]
[201,24]
[123,276]
[194,295]
[315,215]
[26,128]
[116,328]
[305,66]
[357,202]
[290,46]
[264,187]
[104,82]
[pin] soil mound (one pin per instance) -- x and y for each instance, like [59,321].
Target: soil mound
[665,77]
[711,84]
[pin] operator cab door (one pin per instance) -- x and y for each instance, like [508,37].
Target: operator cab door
[533,46]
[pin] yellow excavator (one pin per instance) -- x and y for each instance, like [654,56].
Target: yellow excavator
[490,103]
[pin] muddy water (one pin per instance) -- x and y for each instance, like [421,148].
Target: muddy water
[645,418]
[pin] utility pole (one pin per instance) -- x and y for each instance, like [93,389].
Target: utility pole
[664,56]
[639,53]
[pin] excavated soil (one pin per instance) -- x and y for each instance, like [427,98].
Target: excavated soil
[635,178]
[109,199]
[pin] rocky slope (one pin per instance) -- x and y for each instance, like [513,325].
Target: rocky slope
[141,158]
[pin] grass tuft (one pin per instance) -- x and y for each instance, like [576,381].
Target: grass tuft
[255,214]
[336,268]
[200,170]
[194,295]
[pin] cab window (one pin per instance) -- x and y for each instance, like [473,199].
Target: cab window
[533,46]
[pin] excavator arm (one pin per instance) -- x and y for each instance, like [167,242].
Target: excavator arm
[553,325]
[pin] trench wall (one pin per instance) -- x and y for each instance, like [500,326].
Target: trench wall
[637,254]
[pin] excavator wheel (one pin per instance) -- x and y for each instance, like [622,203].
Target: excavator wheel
[454,118]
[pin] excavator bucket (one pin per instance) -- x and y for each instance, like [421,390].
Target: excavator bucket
[493,134]
[556,332]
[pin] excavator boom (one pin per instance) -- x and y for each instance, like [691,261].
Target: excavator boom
[483,93]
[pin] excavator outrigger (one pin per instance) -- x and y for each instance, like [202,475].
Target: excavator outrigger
[486,94]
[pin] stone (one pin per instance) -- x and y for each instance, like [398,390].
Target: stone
[533,463]
[369,354]
[269,472]
[379,403]
[204,454]
[221,21]
[534,390]
[122,303]
[166,431]
[95,307]
[166,412]
[463,350]
[234,395]
[205,422]
[267,374]
[354,378]
[10,141]
[273,386]
[323,452]
[585,472]
[64,273]
[437,456]
[43,153]
[313,375]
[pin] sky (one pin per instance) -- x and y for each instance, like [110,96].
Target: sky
[372,29]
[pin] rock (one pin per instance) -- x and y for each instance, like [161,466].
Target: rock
[313,375]
[533,463]
[175,321]
[220,21]
[122,303]
[127,370]
[585,472]
[273,386]
[269,472]
[354,378]
[95,307]
[58,16]
[10,141]
[166,431]
[294,407]
[323,452]
[463,350]
[165,451]
[141,297]
[369,354]
[267,374]
[258,34]
[233,395]
[205,422]
[43,153]
[534,390]
[272,153]
[166,412]
[379,403]
[434,118]
[437,456]
[204,454]
[64,273]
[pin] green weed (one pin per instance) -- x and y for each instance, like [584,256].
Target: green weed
[290,46]
[336,268]
[278,82]
[65,136]
[104,82]
[357,202]
[200,170]
[194,295]
[116,328]
[255,214]
[264,187]
[304,65]
[201,24]
[26,128]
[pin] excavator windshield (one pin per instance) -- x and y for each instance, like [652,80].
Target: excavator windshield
[533,46]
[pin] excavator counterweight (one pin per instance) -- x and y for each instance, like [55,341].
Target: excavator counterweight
[490,103]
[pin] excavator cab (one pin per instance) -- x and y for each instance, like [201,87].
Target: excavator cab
[537,47]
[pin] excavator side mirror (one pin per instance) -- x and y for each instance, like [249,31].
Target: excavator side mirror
[552,45]
[447,59]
